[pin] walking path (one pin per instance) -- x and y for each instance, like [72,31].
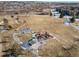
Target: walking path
[74,26]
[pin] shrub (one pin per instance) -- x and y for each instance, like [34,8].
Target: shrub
[72,20]
[61,14]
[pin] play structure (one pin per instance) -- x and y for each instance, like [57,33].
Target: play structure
[33,44]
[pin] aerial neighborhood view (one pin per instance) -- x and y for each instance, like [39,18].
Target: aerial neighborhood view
[39,29]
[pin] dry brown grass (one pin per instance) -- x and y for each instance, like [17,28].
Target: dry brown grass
[65,43]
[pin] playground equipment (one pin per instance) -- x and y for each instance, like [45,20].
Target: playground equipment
[4,26]
[34,43]
[28,44]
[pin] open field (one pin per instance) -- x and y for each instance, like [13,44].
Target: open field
[65,44]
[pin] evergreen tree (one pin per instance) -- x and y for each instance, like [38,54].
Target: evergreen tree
[61,14]
[72,20]
[50,14]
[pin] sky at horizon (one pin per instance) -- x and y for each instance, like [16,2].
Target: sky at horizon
[46,0]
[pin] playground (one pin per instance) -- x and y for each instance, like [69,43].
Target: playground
[46,36]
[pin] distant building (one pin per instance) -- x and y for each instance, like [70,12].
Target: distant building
[67,22]
[2,28]
[67,16]
[77,19]
[55,13]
